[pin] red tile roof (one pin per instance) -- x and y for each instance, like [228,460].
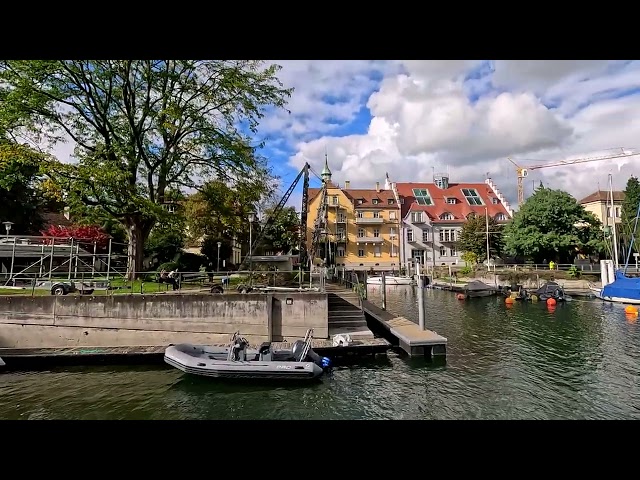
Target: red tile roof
[367,195]
[602,196]
[460,210]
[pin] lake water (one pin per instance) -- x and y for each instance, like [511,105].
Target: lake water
[578,361]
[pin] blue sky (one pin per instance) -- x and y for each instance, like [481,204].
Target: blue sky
[406,117]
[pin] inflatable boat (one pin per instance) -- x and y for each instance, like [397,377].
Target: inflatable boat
[238,361]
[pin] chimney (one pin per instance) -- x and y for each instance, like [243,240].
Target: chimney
[346,184]
[378,187]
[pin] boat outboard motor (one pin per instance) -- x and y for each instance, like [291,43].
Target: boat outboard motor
[298,348]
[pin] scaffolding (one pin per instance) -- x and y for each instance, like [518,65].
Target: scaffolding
[24,259]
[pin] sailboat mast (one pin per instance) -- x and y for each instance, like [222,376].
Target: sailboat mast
[613,215]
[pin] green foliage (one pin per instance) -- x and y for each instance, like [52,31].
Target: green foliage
[283,235]
[210,250]
[552,225]
[466,270]
[190,262]
[142,128]
[473,238]
[167,266]
[629,209]
[574,272]
[164,244]
[221,209]
[20,201]
[469,258]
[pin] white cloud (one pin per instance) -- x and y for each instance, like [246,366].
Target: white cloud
[468,117]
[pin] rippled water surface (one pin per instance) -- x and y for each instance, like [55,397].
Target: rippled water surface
[580,360]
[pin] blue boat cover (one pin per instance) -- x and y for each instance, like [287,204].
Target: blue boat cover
[623,287]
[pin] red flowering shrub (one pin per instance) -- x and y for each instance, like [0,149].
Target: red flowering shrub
[83,233]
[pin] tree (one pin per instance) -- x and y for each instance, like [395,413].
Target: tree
[83,233]
[552,225]
[141,127]
[210,250]
[283,235]
[473,237]
[19,199]
[629,209]
[222,210]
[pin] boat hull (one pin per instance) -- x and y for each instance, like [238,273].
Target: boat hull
[211,362]
[390,280]
[480,293]
[598,294]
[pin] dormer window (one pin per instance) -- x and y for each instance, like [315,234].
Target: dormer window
[391,201]
[495,201]
[501,217]
[359,201]
[447,216]
[375,201]
[452,200]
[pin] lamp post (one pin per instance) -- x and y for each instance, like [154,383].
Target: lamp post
[7,226]
[219,245]
[252,218]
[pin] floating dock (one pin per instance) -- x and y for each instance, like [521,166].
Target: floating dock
[27,358]
[411,338]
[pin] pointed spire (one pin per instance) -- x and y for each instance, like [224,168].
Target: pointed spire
[326,173]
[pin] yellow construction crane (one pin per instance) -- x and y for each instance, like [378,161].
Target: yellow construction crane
[522,172]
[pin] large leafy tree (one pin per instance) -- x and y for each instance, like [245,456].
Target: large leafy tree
[473,237]
[20,200]
[283,233]
[141,128]
[221,210]
[552,225]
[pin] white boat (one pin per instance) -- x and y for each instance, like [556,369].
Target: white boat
[390,280]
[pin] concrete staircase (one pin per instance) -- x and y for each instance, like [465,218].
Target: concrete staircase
[345,314]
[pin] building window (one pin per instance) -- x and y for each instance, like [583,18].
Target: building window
[392,215]
[495,201]
[391,201]
[375,201]
[443,252]
[447,235]
[409,235]
[376,251]
[376,232]
[359,214]
[342,218]
[376,215]
[501,217]
[394,250]
[359,201]
[361,233]
[425,236]
[418,255]
[453,252]
[447,216]
[618,215]
[340,234]
[452,201]
[472,196]
[392,232]
[361,252]
[340,252]
[416,217]
[334,200]
[422,196]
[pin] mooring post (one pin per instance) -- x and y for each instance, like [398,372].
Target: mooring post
[420,297]
[383,284]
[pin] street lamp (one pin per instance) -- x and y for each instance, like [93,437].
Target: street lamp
[7,226]
[219,245]
[252,218]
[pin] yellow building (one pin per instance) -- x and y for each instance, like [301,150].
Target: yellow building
[362,230]
[599,203]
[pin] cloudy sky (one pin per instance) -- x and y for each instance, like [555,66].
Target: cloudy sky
[407,117]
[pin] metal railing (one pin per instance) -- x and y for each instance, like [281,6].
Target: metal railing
[153,282]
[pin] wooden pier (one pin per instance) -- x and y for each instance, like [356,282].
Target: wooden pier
[411,338]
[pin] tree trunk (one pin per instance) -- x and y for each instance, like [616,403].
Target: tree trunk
[137,232]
